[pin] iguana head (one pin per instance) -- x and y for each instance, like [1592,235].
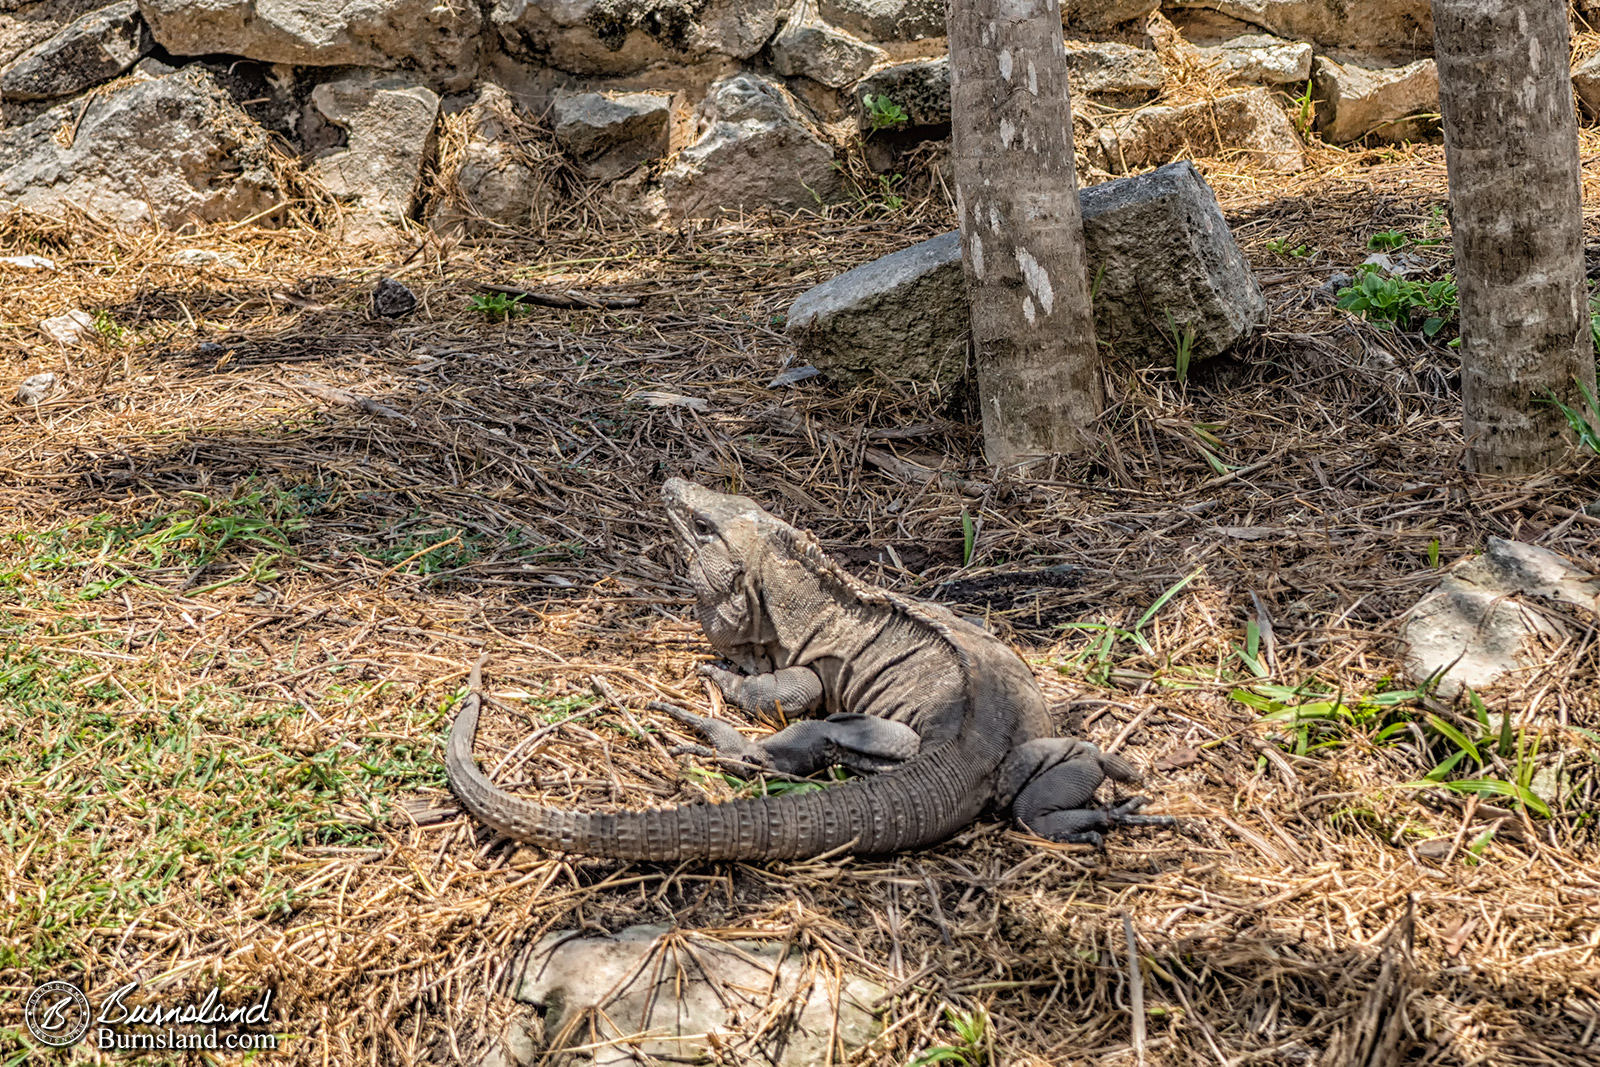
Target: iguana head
[720,538]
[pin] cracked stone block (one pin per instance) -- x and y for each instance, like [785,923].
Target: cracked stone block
[1112,69]
[1260,59]
[651,993]
[390,127]
[626,36]
[1156,242]
[92,49]
[440,41]
[754,151]
[815,50]
[167,150]
[1389,103]
[1489,617]
[1248,124]
[1586,80]
[608,135]
[1392,31]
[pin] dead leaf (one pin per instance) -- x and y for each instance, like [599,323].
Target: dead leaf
[1178,758]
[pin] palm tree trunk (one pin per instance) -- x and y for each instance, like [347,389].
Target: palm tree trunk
[1022,229]
[1516,211]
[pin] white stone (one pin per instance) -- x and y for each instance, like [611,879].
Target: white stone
[1259,59]
[28,262]
[815,50]
[439,39]
[1485,619]
[376,176]
[1390,103]
[69,328]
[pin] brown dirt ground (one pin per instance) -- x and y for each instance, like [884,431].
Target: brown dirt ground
[499,497]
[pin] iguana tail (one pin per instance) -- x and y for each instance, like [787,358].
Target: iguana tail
[926,800]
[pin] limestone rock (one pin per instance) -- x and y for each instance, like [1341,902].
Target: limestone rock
[498,181]
[68,328]
[1113,69]
[609,135]
[885,20]
[625,36]
[22,26]
[1391,103]
[1098,16]
[754,151]
[904,315]
[921,88]
[817,51]
[640,985]
[1249,124]
[376,176]
[1259,59]
[92,49]
[438,40]
[1586,80]
[1157,243]
[35,388]
[166,150]
[1484,620]
[1391,30]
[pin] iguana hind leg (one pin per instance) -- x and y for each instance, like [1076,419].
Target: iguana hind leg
[1050,783]
[774,698]
[860,742]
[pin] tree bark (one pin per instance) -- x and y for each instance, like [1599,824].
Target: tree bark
[1022,229]
[1516,212]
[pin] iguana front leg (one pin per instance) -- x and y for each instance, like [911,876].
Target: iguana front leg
[1050,781]
[862,743]
[774,698]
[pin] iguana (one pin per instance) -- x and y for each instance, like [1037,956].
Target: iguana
[949,716]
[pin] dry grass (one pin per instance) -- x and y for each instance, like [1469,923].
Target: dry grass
[240,605]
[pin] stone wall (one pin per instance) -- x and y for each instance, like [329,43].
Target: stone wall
[179,110]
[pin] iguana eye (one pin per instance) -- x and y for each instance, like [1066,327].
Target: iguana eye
[702,527]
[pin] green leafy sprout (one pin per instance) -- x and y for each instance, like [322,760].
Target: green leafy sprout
[498,306]
[1585,425]
[971,1047]
[1388,300]
[883,113]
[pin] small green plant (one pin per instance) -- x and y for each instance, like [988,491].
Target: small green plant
[883,113]
[969,537]
[107,327]
[1586,426]
[498,306]
[1182,346]
[1433,553]
[1387,241]
[1280,246]
[971,1047]
[1305,111]
[1098,655]
[1389,300]
[889,201]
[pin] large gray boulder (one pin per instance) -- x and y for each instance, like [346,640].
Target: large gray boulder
[169,150]
[1392,30]
[1157,245]
[91,49]
[1389,103]
[653,994]
[1490,615]
[1250,125]
[390,128]
[625,36]
[440,41]
[754,151]
[812,49]
[607,135]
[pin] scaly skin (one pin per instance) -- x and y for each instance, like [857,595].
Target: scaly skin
[770,601]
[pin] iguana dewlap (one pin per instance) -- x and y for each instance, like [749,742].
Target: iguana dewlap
[949,716]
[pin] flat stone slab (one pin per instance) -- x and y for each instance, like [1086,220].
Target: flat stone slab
[608,135]
[377,174]
[1157,243]
[90,50]
[652,993]
[1260,59]
[1388,103]
[1484,620]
